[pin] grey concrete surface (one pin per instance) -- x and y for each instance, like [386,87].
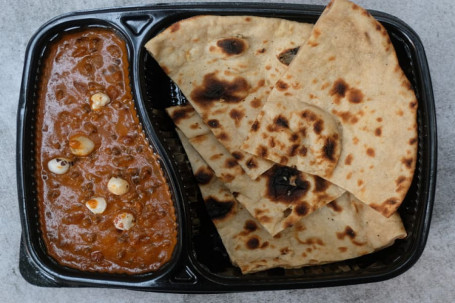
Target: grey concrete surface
[432,279]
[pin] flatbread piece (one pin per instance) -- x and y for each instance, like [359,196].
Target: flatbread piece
[226,67]
[344,229]
[348,69]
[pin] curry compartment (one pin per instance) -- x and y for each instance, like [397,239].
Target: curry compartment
[95,59]
[200,262]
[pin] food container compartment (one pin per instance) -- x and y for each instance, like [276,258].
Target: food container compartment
[34,244]
[200,262]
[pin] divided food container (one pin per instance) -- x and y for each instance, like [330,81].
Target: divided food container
[200,262]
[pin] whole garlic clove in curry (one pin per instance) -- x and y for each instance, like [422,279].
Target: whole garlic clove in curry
[124,221]
[118,186]
[59,166]
[96,205]
[99,100]
[81,145]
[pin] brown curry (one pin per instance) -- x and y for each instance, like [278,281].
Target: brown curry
[87,224]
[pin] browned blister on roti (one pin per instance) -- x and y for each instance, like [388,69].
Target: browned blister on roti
[227,71]
[348,70]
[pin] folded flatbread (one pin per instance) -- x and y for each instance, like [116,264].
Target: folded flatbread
[347,70]
[344,229]
[277,199]
[226,66]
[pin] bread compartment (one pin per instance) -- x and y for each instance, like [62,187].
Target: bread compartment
[207,250]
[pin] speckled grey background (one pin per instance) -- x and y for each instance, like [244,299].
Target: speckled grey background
[432,279]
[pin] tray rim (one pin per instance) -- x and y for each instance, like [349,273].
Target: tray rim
[198,7]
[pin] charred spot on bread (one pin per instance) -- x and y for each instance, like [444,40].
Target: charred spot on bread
[370,152]
[237,155]
[287,212]
[203,175]
[347,116]
[320,184]
[348,159]
[262,151]
[229,163]
[284,250]
[293,149]
[406,84]
[252,243]
[302,209]
[227,178]
[355,95]
[303,151]
[214,89]
[391,201]
[339,88]
[281,121]
[401,184]
[251,163]
[218,209]
[281,85]
[250,226]
[256,103]
[222,136]
[308,115]
[335,207]
[231,46]
[284,160]
[264,219]
[311,241]
[342,249]
[318,126]
[213,123]
[329,149]
[236,115]
[255,126]
[272,142]
[260,51]
[285,184]
[181,114]
[348,231]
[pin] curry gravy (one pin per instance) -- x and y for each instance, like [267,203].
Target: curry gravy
[77,66]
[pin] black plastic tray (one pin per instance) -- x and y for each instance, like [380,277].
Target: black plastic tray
[200,262]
